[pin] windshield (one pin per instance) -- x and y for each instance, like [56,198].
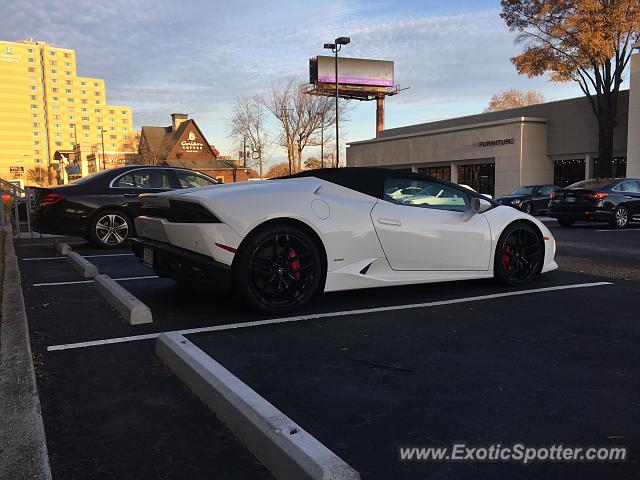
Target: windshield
[524,191]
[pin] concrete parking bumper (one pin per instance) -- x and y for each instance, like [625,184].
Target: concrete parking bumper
[82,265]
[281,445]
[133,310]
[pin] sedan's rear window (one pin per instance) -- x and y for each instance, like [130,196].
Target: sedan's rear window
[589,184]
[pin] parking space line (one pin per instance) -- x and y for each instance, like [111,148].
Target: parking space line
[85,256]
[53,284]
[316,316]
[618,230]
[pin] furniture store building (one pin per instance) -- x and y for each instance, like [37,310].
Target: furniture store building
[555,142]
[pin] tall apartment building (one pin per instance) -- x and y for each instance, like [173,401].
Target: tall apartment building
[46,109]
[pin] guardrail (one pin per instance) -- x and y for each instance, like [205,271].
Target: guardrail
[17,193]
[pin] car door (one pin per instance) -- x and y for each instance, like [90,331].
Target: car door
[541,198]
[631,191]
[430,227]
[142,180]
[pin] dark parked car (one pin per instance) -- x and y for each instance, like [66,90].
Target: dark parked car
[101,207]
[613,200]
[529,198]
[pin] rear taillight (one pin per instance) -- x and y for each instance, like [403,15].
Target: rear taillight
[554,195]
[50,199]
[595,195]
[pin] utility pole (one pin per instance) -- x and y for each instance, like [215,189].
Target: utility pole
[104,161]
[335,48]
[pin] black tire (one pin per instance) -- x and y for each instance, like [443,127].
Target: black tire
[110,229]
[620,217]
[526,208]
[519,255]
[278,269]
[566,222]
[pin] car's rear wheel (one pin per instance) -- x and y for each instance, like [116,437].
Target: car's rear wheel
[109,229]
[519,255]
[566,222]
[620,217]
[278,270]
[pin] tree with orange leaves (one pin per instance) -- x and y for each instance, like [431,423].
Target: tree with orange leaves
[586,41]
[513,98]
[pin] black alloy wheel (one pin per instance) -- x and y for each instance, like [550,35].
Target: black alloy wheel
[278,270]
[519,255]
[526,208]
[110,229]
[620,217]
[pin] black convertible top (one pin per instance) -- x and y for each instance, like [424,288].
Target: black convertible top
[367,180]
[370,180]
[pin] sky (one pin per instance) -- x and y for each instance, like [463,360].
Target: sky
[196,57]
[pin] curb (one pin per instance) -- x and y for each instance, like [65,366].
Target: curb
[82,265]
[285,448]
[133,310]
[63,249]
[23,447]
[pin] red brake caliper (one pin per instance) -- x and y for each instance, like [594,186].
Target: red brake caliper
[294,263]
[506,258]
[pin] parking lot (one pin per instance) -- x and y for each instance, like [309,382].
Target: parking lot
[365,372]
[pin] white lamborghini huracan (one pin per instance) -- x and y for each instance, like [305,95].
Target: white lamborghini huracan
[279,242]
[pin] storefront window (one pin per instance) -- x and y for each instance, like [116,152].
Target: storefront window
[616,169]
[481,177]
[566,172]
[443,173]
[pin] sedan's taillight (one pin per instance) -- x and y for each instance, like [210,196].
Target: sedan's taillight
[554,195]
[596,195]
[50,199]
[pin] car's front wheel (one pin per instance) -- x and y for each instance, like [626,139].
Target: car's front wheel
[279,269]
[519,255]
[526,208]
[110,229]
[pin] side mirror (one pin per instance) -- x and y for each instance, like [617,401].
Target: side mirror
[475,205]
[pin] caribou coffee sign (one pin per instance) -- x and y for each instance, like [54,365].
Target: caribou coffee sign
[191,145]
[496,143]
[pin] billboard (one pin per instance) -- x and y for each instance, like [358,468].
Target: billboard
[352,71]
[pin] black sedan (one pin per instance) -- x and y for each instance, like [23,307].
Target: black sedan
[529,198]
[101,207]
[612,200]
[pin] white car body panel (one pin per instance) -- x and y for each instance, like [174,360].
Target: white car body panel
[430,245]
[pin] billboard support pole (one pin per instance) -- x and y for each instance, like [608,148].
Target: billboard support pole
[379,114]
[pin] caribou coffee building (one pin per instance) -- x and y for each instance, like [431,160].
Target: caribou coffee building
[555,142]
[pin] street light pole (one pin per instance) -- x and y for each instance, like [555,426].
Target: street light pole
[335,48]
[104,164]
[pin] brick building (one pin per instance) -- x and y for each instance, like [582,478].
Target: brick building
[182,144]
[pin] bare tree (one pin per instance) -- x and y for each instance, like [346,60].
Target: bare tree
[147,155]
[301,116]
[514,98]
[38,175]
[248,122]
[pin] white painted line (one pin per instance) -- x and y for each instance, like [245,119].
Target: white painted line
[281,445]
[52,284]
[316,316]
[619,230]
[48,244]
[31,259]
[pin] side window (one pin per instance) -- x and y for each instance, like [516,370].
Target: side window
[425,194]
[630,186]
[191,179]
[545,191]
[144,179]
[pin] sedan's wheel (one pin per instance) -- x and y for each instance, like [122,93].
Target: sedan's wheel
[279,269]
[110,229]
[620,217]
[526,208]
[519,255]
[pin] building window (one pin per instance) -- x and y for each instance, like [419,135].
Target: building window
[97,102]
[566,172]
[113,129]
[86,127]
[83,92]
[54,72]
[33,88]
[37,152]
[36,125]
[97,94]
[54,80]
[113,145]
[55,99]
[52,62]
[35,115]
[71,117]
[96,84]
[69,109]
[84,110]
[55,107]
[34,107]
[481,177]
[87,135]
[67,55]
[124,112]
[67,64]
[58,144]
[112,112]
[36,142]
[37,160]
[56,117]
[112,120]
[58,134]
[36,134]
[125,120]
[52,53]
[72,125]
[98,110]
[68,82]
[55,90]
[616,168]
[443,173]
[70,100]
[30,50]
[83,83]
[84,101]
[113,137]
[31,60]
[33,97]
[68,91]
[85,119]
[57,125]
[32,69]
[67,73]
[98,127]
